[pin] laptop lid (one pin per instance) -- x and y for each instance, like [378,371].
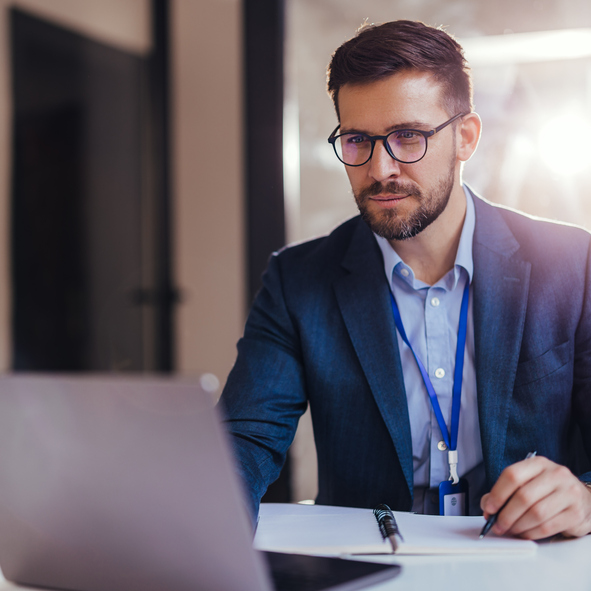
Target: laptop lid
[120,484]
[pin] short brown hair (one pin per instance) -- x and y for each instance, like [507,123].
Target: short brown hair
[378,51]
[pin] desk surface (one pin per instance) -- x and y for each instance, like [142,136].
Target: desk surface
[558,564]
[564,564]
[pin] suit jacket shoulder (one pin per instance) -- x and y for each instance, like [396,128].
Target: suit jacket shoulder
[536,237]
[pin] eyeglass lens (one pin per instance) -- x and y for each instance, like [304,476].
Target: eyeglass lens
[355,148]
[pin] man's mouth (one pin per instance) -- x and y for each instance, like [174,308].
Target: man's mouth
[388,200]
[388,197]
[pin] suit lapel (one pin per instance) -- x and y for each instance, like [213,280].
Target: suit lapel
[364,301]
[501,285]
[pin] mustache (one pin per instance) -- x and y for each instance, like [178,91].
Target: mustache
[392,187]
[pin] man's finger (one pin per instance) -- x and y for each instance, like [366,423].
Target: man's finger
[538,497]
[539,515]
[511,479]
[555,525]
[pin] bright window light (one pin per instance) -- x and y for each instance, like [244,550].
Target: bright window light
[536,46]
[564,144]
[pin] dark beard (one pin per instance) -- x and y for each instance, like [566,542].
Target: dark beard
[388,224]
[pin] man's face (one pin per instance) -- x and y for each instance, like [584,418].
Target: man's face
[398,201]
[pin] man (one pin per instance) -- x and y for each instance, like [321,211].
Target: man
[430,289]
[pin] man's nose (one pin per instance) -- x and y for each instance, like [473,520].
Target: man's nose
[382,166]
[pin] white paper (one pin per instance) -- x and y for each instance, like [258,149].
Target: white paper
[318,529]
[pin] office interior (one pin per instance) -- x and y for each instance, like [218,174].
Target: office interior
[154,153]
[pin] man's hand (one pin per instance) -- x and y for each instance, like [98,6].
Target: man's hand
[545,499]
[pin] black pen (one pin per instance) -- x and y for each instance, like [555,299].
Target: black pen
[388,526]
[493,518]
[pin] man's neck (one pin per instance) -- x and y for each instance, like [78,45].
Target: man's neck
[432,253]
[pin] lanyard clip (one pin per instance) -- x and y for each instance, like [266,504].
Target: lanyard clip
[452,458]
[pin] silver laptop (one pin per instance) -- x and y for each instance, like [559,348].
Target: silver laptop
[124,484]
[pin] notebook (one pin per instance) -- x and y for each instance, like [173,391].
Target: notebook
[125,484]
[335,531]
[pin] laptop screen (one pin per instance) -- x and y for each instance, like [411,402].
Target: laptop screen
[120,484]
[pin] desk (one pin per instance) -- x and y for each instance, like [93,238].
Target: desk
[563,565]
[560,565]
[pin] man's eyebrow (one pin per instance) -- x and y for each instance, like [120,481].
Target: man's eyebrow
[409,125]
[406,125]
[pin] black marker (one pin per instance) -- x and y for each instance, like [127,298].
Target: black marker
[493,518]
[388,526]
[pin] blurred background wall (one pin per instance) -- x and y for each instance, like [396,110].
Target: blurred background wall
[93,64]
[154,153]
[208,183]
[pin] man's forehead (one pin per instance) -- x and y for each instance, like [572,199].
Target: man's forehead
[397,100]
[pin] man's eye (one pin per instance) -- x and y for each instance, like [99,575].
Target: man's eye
[356,139]
[407,136]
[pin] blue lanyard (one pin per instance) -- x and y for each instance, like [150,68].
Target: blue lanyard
[450,437]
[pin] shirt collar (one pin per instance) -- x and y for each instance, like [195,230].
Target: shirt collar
[395,266]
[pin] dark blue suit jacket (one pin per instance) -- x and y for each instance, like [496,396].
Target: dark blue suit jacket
[321,332]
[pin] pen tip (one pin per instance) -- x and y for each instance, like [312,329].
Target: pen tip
[481,536]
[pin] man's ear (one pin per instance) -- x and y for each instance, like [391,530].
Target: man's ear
[468,136]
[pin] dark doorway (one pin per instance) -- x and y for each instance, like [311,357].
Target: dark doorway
[82,207]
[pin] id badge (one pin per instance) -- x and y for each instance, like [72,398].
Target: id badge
[453,500]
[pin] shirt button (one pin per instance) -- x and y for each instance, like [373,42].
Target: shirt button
[404,272]
[441,446]
[435,302]
[439,372]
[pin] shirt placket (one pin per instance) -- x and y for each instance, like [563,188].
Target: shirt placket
[440,370]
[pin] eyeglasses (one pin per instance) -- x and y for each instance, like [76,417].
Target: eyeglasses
[404,145]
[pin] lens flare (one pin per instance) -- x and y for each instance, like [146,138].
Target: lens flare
[564,144]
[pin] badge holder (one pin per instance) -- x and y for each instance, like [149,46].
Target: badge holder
[453,498]
[453,493]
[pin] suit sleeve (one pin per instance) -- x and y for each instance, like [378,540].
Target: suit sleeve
[582,371]
[264,396]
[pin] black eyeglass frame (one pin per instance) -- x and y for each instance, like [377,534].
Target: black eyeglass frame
[374,138]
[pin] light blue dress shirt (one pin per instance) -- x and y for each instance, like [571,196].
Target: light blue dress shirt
[430,315]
